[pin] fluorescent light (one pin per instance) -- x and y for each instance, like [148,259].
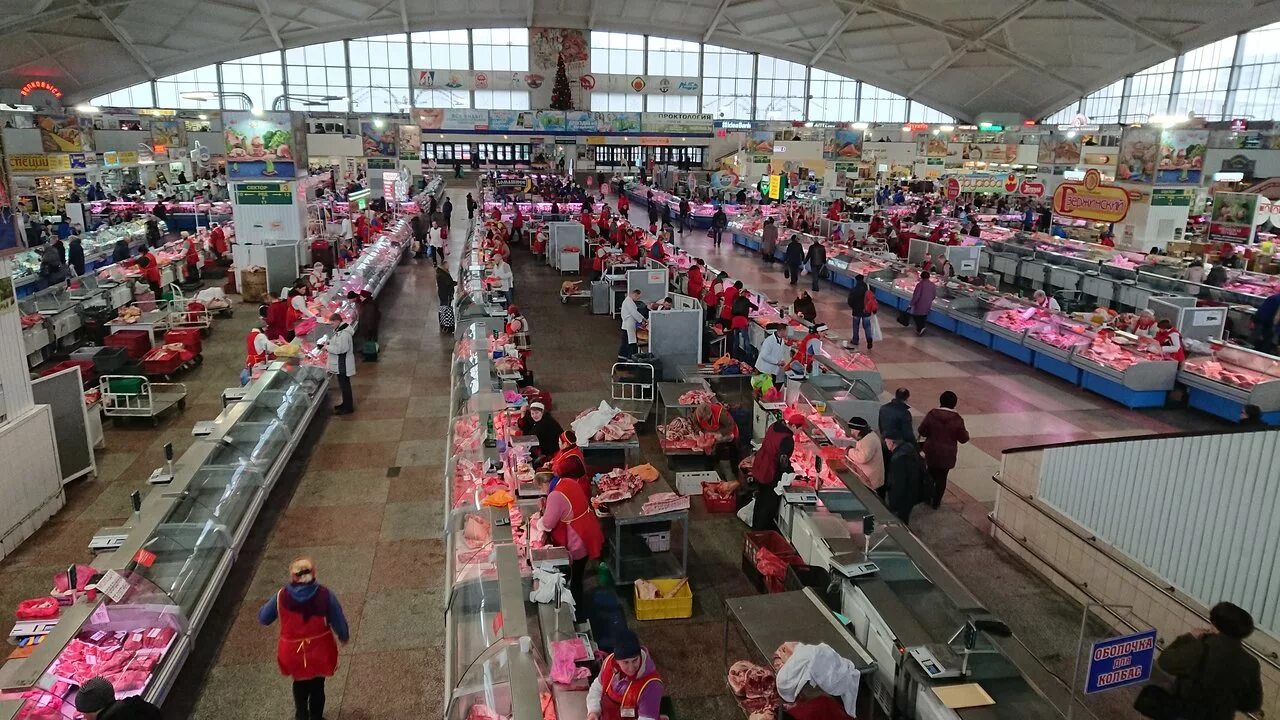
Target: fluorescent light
[936,131]
[860,126]
[204,117]
[1168,120]
[1071,134]
[256,111]
[378,122]
[87,108]
[1228,176]
[906,128]
[947,128]
[199,95]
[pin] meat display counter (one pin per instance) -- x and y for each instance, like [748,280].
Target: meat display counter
[1224,382]
[178,551]
[1120,367]
[98,246]
[1008,325]
[699,213]
[1054,339]
[377,262]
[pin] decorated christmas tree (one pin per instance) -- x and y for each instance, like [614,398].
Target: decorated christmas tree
[561,99]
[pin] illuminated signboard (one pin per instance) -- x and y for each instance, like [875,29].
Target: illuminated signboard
[35,85]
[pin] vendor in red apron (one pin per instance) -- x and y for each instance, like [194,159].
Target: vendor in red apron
[807,349]
[714,418]
[307,652]
[771,461]
[1169,340]
[569,462]
[628,686]
[567,517]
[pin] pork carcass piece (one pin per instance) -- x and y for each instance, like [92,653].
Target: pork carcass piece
[783,654]
[696,397]
[749,680]
[476,531]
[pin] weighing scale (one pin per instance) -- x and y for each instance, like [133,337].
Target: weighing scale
[930,663]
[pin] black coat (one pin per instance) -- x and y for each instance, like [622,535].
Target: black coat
[720,220]
[858,297]
[1215,676]
[904,478]
[816,257]
[795,253]
[75,257]
[895,421]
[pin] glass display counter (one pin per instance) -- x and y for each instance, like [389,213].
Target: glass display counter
[1118,366]
[1232,377]
[98,246]
[1054,338]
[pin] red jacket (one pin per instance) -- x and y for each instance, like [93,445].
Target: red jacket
[942,431]
[728,296]
[152,272]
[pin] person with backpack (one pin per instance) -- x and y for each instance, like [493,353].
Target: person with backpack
[863,306]
[817,259]
[1215,676]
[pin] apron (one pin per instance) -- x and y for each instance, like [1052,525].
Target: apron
[583,522]
[252,356]
[624,706]
[1163,336]
[717,412]
[571,464]
[307,648]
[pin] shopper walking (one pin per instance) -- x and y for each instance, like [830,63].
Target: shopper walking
[684,215]
[895,419]
[342,362]
[863,306]
[75,256]
[904,478]
[768,241]
[448,212]
[310,616]
[96,700]
[1215,676]
[794,259]
[719,221]
[471,207]
[435,239]
[942,432]
[922,301]
[816,257]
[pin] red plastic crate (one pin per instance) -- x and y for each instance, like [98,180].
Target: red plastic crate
[134,342]
[87,373]
[770,540]
[717,505]
[189,337]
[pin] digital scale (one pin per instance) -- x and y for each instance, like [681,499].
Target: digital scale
[163,475]
[855,569]
[108,539]
[929,662]
[800,496]
[204,428]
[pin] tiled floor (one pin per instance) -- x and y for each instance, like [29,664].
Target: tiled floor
[364,499]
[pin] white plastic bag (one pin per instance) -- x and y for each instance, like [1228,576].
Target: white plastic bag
[588,425]
[747,512]
[876,333]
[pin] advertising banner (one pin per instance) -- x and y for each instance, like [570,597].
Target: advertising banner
[1058,149]
[547,46]
[1139,153]
[1121,661]
[1091,199]
[409,142]
[602,122]
[550,120]
[378,141]
[467,80]
[760,142]
[847,144]
[168,134]
[258,147]
[647,84]
[677,123]
[512,120]
[63,133]
[1182,157]
[1172,197]
[39,163]
[1232,217]
[987,152]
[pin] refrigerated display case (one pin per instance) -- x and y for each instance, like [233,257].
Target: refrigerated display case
[97,246]
[1118,366]
[1224,382]
[1053,339]
[180,548]
[850,365]
[1009,325]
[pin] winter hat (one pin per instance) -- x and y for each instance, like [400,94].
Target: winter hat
[302,570]
[626,645]
[95,696]
[537,406]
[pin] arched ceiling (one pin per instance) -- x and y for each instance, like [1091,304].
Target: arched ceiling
[964,57]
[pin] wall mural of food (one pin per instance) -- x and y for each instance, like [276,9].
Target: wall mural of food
[258,147]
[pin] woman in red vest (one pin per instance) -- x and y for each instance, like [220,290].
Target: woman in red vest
[1169,341]
[568,519]
[310,617]
[714,418]
[694,283]
[570,463]
[770,462]
[628,685]
[192,257]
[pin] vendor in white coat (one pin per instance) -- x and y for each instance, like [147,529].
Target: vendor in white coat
[632,319]
[342,362]
[505,280]
[773,353]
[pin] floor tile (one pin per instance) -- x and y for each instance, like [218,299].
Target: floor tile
[361,431]
[329,525]
[407,564]
[401,620]
[392,684]
[342,487]
[422,520]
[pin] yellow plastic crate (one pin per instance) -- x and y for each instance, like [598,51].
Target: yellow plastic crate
[664,608]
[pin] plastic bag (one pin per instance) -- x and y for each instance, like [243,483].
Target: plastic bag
[877,334]
[41,608]
[762,383]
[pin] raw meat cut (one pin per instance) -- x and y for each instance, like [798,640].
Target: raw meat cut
[783,653]
[476,531]
[772,568]
[646,590]
[749,680]
[564,657]
[620,427]
[696,397]
[659,503]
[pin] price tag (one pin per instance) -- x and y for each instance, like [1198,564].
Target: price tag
[144,557]
[113,585]
[100,615]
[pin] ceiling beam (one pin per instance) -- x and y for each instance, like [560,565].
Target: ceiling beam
[529,15]
[963,50]
[404,16]
[1004,52]
[265,11]
[121,36]
[715,20]
[591,16]
[835,31]
[1105,11]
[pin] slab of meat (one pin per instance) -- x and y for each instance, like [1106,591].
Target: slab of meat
[620,427]
[480,711]
[696,397]
[659,503]
[620,479]
[772,568]
[476,531]
[783,654]
[749,680]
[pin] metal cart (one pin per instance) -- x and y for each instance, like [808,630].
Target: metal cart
[136,396]
[182,315]
[580,294]
[632,389]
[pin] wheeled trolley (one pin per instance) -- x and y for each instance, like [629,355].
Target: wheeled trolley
[137,396]
[632,389]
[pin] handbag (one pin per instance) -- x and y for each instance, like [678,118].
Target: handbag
[1157,703]
[904,318]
